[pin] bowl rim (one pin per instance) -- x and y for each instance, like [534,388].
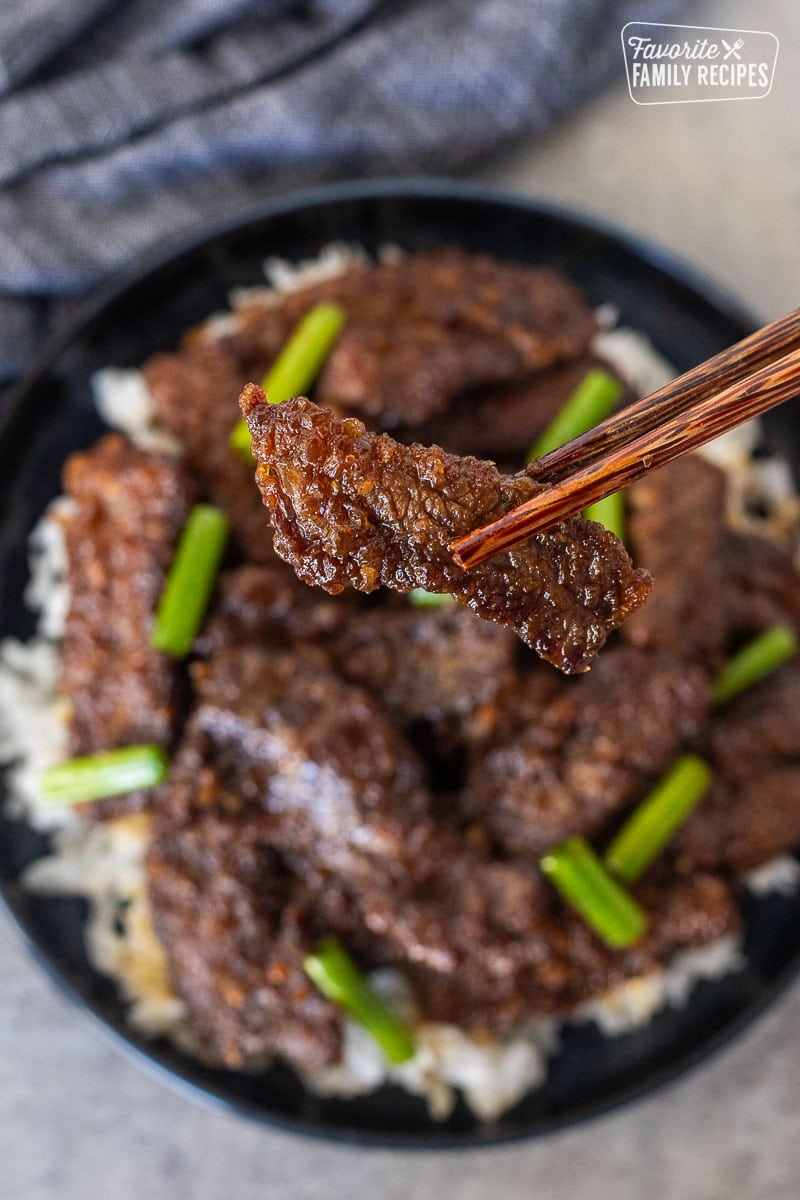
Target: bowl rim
[134,1047]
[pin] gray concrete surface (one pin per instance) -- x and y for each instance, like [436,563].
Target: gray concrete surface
[720,185]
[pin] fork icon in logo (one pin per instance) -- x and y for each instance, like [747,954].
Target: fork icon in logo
[733,49]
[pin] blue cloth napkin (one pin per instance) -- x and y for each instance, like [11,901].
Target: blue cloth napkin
[124,123]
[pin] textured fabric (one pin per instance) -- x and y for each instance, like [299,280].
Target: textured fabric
[124,123]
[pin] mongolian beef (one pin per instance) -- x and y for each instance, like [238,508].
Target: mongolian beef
[393,768]
[351,507]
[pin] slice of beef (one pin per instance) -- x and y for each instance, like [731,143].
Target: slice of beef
[130,507]
[444,667]
[194,396]
[233,919]
[676,527]
[347,794]
[762,585]
[744,823]
[350,507]
[426,328]
[752,812]
[561,963]
[762,723]
[268,605]
[502,423]
[570,754]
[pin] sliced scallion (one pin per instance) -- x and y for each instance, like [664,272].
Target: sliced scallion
[422,599]
[583,881]
[610,511]
[648,829]
[109,773]
[754,661]
[298,363]
[593,399]
[190,581]
[333,971]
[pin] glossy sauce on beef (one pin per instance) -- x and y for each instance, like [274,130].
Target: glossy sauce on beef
[349,507]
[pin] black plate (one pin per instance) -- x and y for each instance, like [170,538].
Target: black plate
[52,414]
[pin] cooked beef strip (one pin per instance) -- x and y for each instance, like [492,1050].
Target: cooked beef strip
[233,920]
[675,524]
[559,963]
[194,396]
[570,754]
[762,585]
[502,423]
[752,812]
[444,667]
[350,507]
[423,330]
[130,507]
[346,790]
[744,823]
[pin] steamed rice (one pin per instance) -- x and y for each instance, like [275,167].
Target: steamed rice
[105,863]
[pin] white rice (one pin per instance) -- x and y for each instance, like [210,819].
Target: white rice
[633,1003]
[491,1075]
[633,355]
[124,403]
[33,734]
[105,863]
[781,875]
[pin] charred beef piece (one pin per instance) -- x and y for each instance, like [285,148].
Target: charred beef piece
[568,755]
[762,585]
[194,397]
[233,920]
[752,812]
[350,507]
[676,526]
[445,668]
[130,507]
[502,423]
[423,330]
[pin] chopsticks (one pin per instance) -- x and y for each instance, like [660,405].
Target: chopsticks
[734,386]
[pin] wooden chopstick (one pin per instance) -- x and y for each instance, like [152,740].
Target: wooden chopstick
[609,470]
[757,350]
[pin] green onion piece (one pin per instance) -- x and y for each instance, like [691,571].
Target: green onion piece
[593,399]
[758,658]
[610,511]
[647,831]
[109,773]
[336,975]
[298,363]
[422,599]
[583,881]
[190,581]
